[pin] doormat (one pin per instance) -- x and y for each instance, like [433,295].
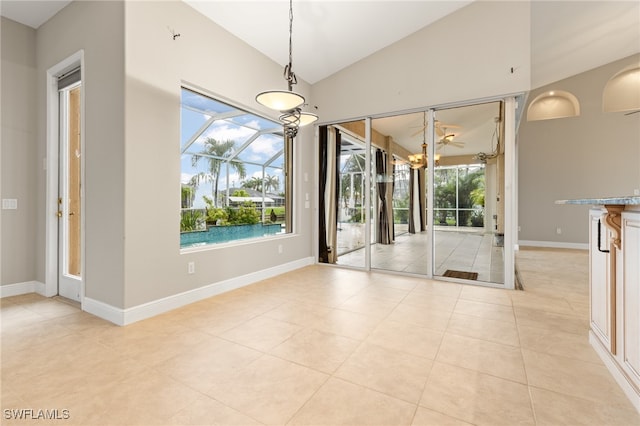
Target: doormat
[461,274]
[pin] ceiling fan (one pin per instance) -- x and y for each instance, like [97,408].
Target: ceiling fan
[447,138]
[440,128]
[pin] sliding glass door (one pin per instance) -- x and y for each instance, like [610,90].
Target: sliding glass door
[351,199]
[466,206]
[434,183]
[343,174]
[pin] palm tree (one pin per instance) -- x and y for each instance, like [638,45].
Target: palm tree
[216,153]
[188,195]
[254,183]
[271,183]
[355,165]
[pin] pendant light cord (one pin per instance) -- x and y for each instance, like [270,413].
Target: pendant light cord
[424,136]
[289,75]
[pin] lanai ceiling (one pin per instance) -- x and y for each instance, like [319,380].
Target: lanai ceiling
[471,129]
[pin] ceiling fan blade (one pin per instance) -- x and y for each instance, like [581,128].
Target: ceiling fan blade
[447,126]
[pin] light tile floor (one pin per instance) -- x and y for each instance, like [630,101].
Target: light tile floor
[324,345]
[464,250]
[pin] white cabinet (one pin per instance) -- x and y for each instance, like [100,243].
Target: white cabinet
[602,310]
[630,293]
[614,287]
[615,296]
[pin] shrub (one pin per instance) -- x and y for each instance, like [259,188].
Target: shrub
[240,193]
[217,216]
[246,214]
[477,219]
[191,220]
[357,215]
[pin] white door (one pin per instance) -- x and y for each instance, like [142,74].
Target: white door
[70,192]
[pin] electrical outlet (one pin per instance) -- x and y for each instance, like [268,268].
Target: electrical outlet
[191,267]
[280,249]
[558,231]
[636,192]
[519,228]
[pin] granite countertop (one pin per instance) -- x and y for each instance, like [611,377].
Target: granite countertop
[630,200]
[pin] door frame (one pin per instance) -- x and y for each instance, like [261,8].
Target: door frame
[51,165]
[510,195]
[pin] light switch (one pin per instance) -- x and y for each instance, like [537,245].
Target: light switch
[9,204]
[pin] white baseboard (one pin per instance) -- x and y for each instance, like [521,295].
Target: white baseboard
[553,244]
[22,288]
[103,310]
[615,371]
[147,310]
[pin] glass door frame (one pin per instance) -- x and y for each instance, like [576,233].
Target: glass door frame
[51,165]
[70,193]
[510,187]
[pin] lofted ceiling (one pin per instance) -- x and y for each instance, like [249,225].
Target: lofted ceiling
[567,38]
[328,35]
[32,13]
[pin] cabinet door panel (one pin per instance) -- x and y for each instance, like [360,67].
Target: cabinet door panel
[601,315]
[631,293]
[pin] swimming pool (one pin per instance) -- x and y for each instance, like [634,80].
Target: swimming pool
[223,234]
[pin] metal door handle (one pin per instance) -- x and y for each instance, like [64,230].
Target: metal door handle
[599,238]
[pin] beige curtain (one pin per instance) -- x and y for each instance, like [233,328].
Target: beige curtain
[331,195]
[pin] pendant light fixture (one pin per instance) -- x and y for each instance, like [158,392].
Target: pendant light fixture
[288,102]
[420,160]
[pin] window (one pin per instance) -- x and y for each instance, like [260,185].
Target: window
[350,233]
[400,200]
[233,180]
[459,196]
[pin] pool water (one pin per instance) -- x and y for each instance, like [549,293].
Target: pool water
[223,234]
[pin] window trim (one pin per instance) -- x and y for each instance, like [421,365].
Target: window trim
[287,168]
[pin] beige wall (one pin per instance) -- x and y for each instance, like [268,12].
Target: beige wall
[594,155]
[98,28]
[133,71]
[207,56]
[132,163]
[466,55]
[19,162]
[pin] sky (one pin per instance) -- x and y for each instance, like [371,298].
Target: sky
[238,127]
